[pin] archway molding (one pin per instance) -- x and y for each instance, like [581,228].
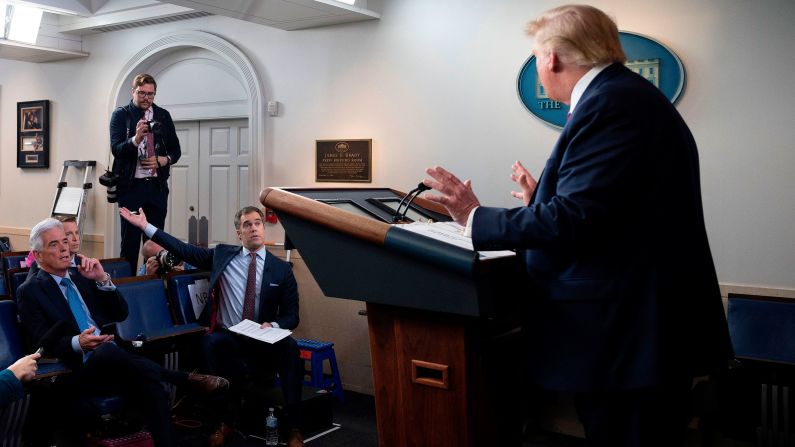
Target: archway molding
[230,55]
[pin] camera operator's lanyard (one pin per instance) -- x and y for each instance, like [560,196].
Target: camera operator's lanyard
[147,147]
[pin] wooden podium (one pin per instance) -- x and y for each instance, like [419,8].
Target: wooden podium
[442,321]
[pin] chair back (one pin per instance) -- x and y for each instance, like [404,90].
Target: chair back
[148,308]
[13,259]
[15,279]
[117,267]
[180,299]
[10,339]
[762,327]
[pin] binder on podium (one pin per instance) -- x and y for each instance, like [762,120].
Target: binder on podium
[442,319]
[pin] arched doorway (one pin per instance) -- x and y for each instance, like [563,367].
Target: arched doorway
[168,56]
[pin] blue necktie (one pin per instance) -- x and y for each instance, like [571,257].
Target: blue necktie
[74,303]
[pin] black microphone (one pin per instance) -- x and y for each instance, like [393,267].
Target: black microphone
[51,336]
[420,188]
[413,193]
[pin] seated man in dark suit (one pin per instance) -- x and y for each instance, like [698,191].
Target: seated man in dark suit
[88,300]
[247,283]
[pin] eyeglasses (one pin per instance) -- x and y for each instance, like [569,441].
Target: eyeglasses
[142,94]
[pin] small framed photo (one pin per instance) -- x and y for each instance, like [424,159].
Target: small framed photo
[33,134]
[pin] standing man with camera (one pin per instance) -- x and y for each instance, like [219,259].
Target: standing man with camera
[144,144]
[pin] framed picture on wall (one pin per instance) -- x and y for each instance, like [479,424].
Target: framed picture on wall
[33,134]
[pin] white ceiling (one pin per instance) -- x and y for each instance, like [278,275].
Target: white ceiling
[69,19]
[92,16]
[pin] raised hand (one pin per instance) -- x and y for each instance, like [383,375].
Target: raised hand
[138,220]
[91,268]
[455,195]
[522,177]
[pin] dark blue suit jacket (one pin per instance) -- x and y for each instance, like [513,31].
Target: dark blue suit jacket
[278,299]
[625,291]
[125,154]
[42,304]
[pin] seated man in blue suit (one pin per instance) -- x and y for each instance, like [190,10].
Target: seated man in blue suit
[88,300]
[625,307]
[247,283]
[12,377]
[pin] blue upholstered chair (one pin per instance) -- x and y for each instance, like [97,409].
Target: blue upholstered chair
[149,314]
[117,267]
[762,330]
[15,277]
[179,297]
[13,259]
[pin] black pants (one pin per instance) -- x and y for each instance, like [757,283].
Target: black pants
[239,359]
[655,417]
[150,195]
[112,371]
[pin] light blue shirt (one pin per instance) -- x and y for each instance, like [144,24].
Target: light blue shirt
[233,287]
[76,339]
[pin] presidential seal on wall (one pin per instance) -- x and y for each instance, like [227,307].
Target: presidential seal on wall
[645,56]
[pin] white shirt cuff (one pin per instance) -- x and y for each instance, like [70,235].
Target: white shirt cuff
[275,324]
[76,344]
[150,230]
[468,228]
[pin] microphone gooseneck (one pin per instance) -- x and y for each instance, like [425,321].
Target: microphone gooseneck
[399,217]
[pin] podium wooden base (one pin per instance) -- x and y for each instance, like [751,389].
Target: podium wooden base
[443,380]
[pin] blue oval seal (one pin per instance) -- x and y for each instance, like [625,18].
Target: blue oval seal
[645,56]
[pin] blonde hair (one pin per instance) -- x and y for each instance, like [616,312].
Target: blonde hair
[580,34]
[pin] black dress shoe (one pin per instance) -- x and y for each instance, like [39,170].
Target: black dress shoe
[207,384]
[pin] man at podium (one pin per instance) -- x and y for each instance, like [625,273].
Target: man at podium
[625,308]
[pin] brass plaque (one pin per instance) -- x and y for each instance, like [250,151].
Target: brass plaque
[344,161]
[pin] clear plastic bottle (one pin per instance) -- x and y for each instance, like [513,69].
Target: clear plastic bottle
[271,428]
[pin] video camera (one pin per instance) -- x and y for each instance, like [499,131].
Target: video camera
[154,126]
[167,261]
[110,180]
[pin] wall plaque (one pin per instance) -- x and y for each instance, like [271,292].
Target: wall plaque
[344,161]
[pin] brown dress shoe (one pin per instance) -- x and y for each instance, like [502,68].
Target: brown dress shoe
[207,384]
[295,439]
[221,435]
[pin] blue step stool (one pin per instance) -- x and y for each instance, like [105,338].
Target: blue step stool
[316,352]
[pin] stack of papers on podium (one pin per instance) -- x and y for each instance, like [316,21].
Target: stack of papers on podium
[453,234]
[252,329]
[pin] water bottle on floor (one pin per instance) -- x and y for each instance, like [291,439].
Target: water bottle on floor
[271,428]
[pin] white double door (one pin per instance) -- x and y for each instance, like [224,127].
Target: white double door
[210,179]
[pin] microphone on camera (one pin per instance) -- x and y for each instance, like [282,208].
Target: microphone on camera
[47,341]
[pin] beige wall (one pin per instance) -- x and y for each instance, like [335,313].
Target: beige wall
[337,321]
[92,244]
